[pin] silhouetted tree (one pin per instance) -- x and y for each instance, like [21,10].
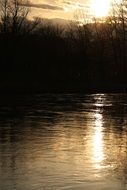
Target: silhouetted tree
[13,15]
[118,34]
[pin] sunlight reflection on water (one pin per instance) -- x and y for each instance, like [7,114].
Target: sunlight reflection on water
[98,154]
[64,142]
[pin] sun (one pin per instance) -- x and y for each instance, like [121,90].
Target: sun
[100,8]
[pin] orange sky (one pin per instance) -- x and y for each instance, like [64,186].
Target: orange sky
[64,9]
[67,9]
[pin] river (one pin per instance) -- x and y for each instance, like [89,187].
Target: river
[63,142]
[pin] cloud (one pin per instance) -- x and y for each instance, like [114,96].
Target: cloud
[80,5]
[64,9]
[44,6]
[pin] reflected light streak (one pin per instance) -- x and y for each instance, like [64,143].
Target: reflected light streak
[98,155]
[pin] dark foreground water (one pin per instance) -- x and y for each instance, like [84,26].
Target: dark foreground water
[63,142]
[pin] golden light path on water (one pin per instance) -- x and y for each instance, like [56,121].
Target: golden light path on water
[98,154]
[80,142]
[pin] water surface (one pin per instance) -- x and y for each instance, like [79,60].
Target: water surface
[63,142]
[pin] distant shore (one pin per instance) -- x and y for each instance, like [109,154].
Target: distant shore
[61,87]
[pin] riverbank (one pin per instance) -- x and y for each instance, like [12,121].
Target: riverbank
[61,87]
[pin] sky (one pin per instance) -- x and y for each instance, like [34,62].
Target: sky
[69,9]
[51,9]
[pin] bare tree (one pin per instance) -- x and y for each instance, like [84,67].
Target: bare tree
[118,33]
[5,15]
[13,15]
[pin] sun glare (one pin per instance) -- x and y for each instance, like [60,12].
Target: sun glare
[100,8]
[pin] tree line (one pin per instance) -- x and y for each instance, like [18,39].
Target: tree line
[36,51]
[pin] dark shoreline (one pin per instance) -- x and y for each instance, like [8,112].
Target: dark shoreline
[61,87]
